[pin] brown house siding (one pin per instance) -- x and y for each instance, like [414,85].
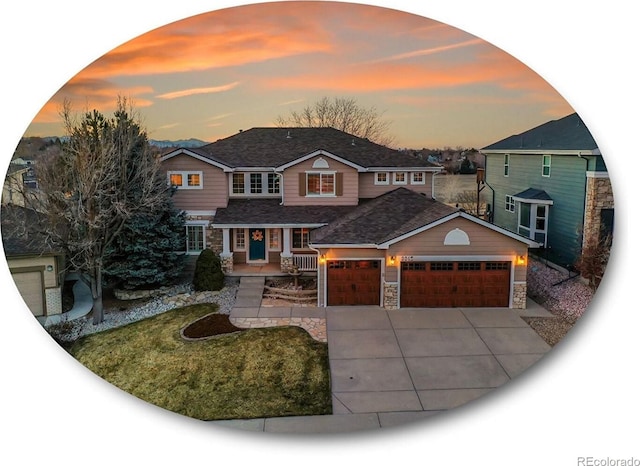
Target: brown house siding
[484,242]
[368,189]
[215,191]
[346,184]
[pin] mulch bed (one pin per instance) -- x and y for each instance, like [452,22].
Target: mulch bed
[208,326]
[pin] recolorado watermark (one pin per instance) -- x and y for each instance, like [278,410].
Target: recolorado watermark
[593,461]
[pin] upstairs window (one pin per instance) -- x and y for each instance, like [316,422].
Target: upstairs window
[256,183]
[273,182]
[238,183]
[546,165]
[399,178]
[321,184]
[506,164]
[417,178]
[382,178]
[185,179]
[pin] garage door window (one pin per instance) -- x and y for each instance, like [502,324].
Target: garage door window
[497,266]
[469,265]
[441,266]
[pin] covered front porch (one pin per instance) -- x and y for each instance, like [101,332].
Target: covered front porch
[264,250]
[307,265]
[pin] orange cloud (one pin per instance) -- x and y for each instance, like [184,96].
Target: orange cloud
[198,90]
[86,95]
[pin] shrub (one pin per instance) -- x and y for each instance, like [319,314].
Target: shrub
[208,275]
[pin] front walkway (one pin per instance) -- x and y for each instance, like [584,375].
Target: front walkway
[391,367]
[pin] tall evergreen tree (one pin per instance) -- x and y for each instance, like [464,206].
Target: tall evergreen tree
[146,253]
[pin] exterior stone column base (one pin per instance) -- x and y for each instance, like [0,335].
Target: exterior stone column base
[286,262]
[390,296]
[54,300]
[519,296]
[226,261]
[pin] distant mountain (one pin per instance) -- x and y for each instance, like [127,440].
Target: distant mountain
[179,143]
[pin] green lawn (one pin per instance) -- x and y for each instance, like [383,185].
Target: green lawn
[267,372]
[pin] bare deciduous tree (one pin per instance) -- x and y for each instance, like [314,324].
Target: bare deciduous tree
[344,114]
[104,176]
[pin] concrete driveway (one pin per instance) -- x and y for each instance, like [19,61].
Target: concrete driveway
[390,367]
[410,363]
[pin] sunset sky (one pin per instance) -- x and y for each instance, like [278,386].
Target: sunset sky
[211,75]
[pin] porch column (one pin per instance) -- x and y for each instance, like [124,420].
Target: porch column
[226,241]
[226,257]
[286,258]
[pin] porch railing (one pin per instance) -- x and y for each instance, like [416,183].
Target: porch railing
[306,262]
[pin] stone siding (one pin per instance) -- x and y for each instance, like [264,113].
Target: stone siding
[390,298]
[599,196]
[519,296]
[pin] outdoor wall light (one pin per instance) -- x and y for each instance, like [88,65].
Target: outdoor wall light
[392,260]
[323,259]
[522,260]
[49,268]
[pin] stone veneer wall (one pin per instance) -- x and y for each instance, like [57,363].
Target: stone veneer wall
[286,262]
[390,296]
[599,196]
[519,296]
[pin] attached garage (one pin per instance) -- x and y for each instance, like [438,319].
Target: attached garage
[353,282]
[31,287]
[404,250]
[455,284]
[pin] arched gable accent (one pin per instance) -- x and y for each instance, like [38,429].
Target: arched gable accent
[456,237]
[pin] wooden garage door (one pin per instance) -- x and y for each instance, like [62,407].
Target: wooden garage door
[353,283]
[30,287]
[455,284]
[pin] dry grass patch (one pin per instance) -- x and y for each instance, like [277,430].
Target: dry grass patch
[267,372]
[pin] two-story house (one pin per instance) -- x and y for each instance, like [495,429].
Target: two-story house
[550,183]
[359,215]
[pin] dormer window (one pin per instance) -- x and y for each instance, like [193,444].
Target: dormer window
[321,184]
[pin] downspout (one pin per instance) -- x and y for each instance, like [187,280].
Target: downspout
[281,176]
[433,185]
[584,209]
[493,191]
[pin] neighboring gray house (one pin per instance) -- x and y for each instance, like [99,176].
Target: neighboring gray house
[551,184]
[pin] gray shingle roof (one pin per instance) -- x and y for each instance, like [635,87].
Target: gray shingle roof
[534,194]
[273,147]
[568,133]
[382,219]
[270,212]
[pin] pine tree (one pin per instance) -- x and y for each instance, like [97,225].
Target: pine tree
[146,253]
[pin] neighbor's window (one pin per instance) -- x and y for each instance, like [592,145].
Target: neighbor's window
[399,178]
[185,179]
[546,165]
[417,178]
[382,178]
[509,204]
[300,238]
[506,164]
[321,184]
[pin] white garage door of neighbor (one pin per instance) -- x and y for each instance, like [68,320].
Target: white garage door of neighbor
[30,287]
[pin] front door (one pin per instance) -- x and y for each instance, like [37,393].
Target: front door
[257,249]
